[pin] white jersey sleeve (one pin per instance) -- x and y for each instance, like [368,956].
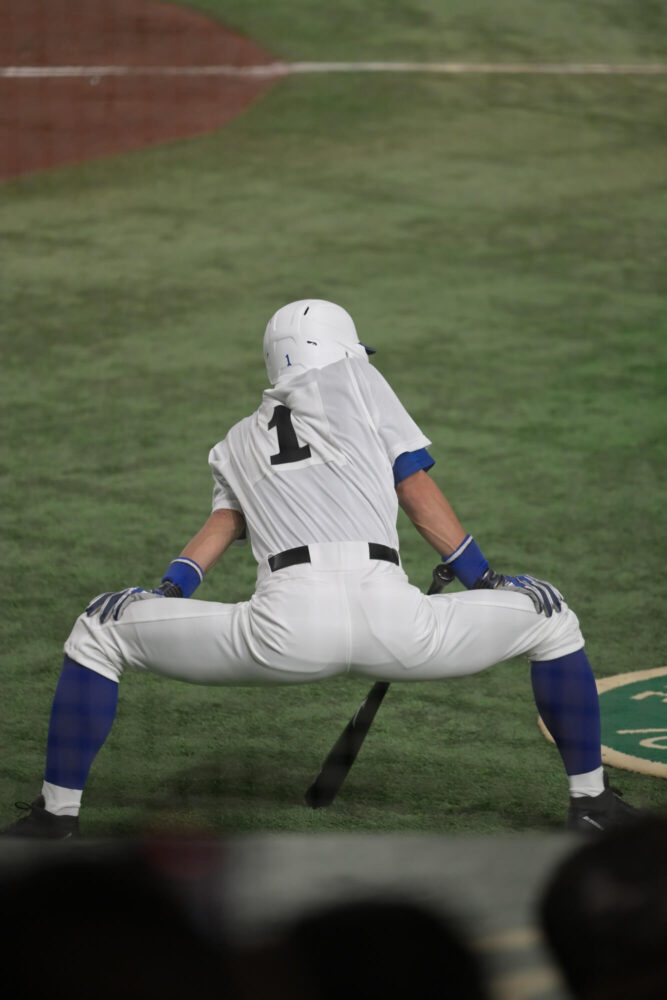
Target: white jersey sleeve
[314,462]
[223,494]
[395,427]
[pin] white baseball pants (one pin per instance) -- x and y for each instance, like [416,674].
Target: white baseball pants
[342,612]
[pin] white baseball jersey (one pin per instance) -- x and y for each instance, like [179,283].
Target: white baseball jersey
[314,462]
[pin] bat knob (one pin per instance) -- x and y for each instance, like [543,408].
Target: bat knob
[442,576]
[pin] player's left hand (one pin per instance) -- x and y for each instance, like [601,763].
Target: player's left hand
[544,596]
[112,605]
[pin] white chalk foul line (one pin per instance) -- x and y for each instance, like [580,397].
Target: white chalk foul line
[475,68]
[279,69]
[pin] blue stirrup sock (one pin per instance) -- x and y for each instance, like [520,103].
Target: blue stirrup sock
[567,700]
[82,714]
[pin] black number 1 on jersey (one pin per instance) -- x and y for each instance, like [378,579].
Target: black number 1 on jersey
[289,448]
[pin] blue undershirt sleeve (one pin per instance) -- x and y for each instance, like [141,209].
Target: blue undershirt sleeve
[410,462]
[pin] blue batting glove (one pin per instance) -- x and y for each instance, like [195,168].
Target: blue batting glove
[112,605]
[544,595]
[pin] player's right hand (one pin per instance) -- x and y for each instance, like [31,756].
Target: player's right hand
[113,604]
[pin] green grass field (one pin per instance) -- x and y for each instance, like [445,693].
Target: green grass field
[500,240]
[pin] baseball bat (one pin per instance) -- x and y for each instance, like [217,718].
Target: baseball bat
[344,752]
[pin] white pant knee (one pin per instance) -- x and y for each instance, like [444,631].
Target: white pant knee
[561,635]
[92,645]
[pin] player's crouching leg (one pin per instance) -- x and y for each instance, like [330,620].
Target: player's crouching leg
[566,694]
[567,700]
[82,714]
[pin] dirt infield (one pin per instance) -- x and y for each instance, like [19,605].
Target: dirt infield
[48,121]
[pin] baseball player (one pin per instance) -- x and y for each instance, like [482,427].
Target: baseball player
[313,479]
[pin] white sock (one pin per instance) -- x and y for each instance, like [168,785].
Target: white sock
[591,783]
[61,801]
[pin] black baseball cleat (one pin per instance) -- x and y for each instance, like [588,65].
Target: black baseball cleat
[39,823]
[595,813]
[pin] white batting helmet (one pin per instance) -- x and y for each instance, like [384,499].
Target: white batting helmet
[310,333]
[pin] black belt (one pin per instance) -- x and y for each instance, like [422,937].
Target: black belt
[292,557]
